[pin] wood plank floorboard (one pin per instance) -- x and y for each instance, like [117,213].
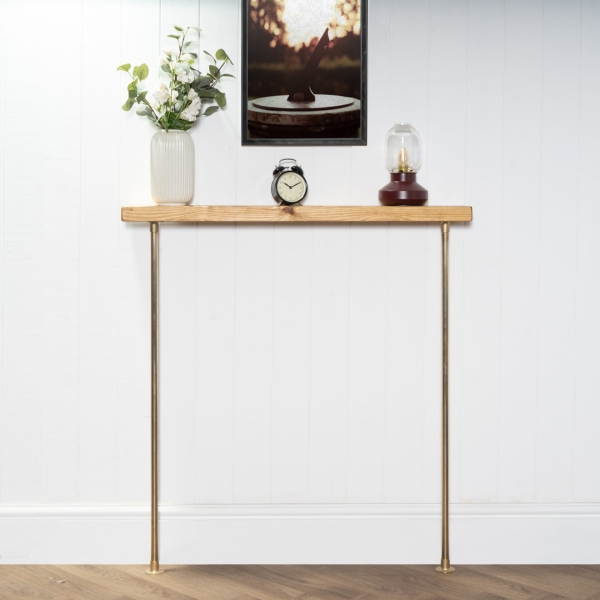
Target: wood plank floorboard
[300,582]
[554,579]
[485,582]
[305,579]
[201,582]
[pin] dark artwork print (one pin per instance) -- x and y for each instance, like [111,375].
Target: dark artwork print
[304,72]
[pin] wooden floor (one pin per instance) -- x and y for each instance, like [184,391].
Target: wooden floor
[299,582]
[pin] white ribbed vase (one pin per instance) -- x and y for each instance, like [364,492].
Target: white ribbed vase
[172,167]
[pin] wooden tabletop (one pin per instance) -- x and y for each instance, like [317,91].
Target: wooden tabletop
[297,214]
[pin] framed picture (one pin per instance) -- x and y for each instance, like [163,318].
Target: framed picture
[304,72]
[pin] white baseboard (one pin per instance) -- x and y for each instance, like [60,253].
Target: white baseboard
[303,534]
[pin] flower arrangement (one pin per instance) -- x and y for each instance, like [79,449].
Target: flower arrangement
[178,102]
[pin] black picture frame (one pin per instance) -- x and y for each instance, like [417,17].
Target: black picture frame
[357,141]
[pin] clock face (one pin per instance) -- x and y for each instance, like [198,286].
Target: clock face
[291,187]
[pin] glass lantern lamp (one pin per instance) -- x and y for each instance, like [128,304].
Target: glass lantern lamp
[403,160]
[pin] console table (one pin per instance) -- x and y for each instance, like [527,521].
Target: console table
[295,214]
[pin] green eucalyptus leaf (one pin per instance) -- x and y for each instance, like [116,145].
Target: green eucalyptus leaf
[221,54]
[213,70]
[136,71]
[141,97]
[177,28]
[175,37]
[193,54]
[221,99]
[178,105]
[166,68]
[187,45]
[209,54]
[210,111]
[133,84]
[143,71]
[203,81]
[127,106]
[143,111]
[124,67]
[227,75]
[133,93]
[195,28]
[207,93]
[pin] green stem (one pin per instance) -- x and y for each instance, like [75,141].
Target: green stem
[153,112]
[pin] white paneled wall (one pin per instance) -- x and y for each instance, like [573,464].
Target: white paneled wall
[300,366]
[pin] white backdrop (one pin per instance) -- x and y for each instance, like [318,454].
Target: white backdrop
[300,366]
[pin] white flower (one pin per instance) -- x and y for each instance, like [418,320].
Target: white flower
[167,51]
[161,86]
[189,116]
[174,95]
[162,61]
[192,94]
[183,76]
[162,94]
[186,57]
[153,103]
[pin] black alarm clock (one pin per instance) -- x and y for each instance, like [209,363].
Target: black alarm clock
[289,184]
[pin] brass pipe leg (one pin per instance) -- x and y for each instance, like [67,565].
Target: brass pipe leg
[445,562]
[154,568]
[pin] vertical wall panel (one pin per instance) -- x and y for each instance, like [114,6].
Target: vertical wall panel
[99,254]
[61,176]
[484,152]
[329,375]
[177,361]
[22,268]
[139,43]
[558,230]
[520,254]
[253,363]
[215,331]
[367,363]
[587,356]
[291,363]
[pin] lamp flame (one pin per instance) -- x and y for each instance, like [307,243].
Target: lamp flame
[403,161]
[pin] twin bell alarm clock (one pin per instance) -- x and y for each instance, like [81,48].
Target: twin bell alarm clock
[289,184]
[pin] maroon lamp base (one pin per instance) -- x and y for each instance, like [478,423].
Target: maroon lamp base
[403,190]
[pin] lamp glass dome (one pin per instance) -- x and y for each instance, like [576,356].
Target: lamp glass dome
[403,149]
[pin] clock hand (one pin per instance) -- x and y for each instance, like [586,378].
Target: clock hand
[290,186]
[295,185]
